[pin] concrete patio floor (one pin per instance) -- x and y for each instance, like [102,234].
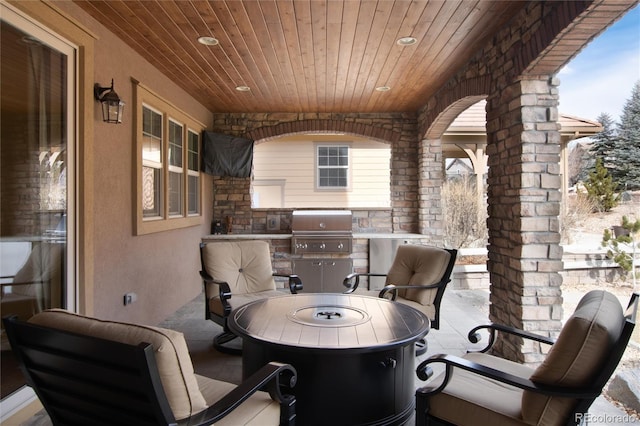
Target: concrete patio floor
[461,311]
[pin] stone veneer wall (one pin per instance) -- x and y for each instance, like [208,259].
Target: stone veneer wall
[232,196]
[513,71]
[525,256]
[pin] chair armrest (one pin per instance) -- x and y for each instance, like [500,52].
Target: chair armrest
[274,376]
[295,283]
[424,372]
[352,280]
[224,291]
[393,289]
[474,336]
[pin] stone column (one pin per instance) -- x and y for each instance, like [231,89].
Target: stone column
[430,181]
[524,181]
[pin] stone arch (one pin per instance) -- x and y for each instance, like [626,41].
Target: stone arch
[445,117]
[450,101]
[330,125]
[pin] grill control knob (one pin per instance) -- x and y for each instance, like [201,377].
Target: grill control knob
[323,246]
[340,246]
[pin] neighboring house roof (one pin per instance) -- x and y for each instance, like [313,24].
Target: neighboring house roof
[459,166]
[473,121]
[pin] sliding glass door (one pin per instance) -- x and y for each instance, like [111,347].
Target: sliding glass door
[37,152]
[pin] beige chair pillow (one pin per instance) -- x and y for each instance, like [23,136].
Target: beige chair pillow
[244,265]
[418,265]
[171,353]
[580,350]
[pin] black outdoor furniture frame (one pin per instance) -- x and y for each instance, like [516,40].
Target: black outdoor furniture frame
[390,291]
[85,380]
[225,294]
[584,396]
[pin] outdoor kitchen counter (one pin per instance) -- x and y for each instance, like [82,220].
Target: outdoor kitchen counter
[282,257]
[218,237]
[363,235]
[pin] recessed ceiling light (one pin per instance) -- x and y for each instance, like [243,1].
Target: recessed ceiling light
[406,41]
[383,88]
[208,41]
[243,88]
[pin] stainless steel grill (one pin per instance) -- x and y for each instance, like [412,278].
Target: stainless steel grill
[321,231]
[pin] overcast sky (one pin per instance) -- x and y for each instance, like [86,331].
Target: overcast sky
[600,78]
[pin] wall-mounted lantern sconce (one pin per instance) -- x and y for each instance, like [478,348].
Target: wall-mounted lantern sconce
[112,106]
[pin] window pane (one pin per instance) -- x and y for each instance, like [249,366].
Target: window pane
[194,195]
[333,177]
[151,148]
[193,151]
[151,193]
[175,144]
[333,166]
[151,135]
[175,193]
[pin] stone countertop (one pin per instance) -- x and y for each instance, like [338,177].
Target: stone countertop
[368,236]
[246,237]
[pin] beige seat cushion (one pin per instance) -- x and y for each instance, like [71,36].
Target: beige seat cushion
[258,410]
[469,397]
[244,265]
[580,350]
[418,265]
[429,310]
[171,353]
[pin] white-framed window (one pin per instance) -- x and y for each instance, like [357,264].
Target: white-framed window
[168,184]
[193,172]
[176,168]
[332,167]
[152,165]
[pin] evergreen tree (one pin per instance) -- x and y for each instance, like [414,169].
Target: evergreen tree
[604,144]
[627,148]
[601,188]
[581,162]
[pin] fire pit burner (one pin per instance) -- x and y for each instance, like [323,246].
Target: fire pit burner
[329,316]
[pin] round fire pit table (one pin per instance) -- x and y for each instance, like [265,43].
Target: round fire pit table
[354,354]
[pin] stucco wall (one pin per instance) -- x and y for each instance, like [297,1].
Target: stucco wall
[161,268]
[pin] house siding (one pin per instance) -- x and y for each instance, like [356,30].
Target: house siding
[294,162]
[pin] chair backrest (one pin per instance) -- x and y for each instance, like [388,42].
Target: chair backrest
[89,371]
[585,355]
[244,265]
[420,265]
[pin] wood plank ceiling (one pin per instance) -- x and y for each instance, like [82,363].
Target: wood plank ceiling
[306,55]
